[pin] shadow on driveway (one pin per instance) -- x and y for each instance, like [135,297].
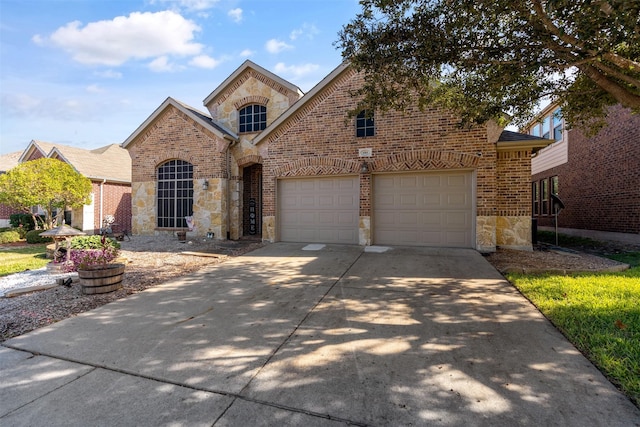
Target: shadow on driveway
[286,336]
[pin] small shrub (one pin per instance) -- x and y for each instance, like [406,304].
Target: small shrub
[93,242]
[91,252]
[9,236]
[33,236]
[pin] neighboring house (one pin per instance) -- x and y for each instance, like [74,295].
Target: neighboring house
[7,161]
[273,163]
[108,168]
[597,178]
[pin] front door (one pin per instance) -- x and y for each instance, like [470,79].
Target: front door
[252,201]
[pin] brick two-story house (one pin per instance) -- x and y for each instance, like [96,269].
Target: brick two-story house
[272,162]
[597,177]
[108,168]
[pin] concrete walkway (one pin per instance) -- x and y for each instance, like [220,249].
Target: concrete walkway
[333,336]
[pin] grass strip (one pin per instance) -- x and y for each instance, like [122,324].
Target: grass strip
[599,313]
[15,260]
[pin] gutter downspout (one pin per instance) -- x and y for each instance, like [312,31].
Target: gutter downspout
[228,194]
[101,202]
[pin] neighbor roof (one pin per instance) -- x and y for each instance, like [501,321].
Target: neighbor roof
[111,162]
[509,140]
[43,147]
[9,161]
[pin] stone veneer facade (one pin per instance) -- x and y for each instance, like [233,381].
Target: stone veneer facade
[316,140]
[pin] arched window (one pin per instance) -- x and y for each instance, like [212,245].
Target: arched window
[175,193]
[253,118]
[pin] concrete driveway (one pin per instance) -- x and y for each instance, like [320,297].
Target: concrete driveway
[328,336]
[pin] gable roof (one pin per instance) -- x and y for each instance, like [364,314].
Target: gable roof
[9,161]
[309,96]
[197,116]
[44,148]
[111,162]
[247,65]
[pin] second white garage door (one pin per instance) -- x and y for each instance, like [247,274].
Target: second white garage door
[423,209]
[319,210]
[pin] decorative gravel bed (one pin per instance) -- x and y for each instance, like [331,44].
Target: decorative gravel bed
[150,261]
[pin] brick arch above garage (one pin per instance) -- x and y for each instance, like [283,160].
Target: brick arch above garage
[424,160]
[314,166]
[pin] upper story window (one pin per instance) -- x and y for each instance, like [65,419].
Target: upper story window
[557,124]
[550,126]
[364,124]
[253,118]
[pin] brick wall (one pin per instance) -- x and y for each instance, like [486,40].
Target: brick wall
[600,184]
[117,202]
[6,212]
[513,197]
[175,136]
[316,141]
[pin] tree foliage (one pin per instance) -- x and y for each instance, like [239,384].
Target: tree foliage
[483,58]
[48,183]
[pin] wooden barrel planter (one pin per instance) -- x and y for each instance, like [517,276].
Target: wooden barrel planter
[101,280]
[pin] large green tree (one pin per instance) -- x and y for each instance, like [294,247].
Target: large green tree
[49,183]
[484,58]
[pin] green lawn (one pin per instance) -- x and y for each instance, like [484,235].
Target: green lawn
[599,313]
[14,260]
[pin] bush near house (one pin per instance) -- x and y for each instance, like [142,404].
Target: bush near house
[33,237]
[93,242]
[9,236]
[22,221]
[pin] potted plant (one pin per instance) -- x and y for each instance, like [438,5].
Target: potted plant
[92,257]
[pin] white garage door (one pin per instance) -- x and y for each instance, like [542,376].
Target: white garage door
[319,210]
[423,209]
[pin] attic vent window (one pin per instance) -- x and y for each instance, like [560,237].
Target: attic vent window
[253,118]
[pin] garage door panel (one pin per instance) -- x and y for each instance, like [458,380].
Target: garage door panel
[458,200]
[423,209]
[457,219]
[321,210]
[348,201]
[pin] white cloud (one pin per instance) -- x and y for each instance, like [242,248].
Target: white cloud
[138,36]
[94,89]
[235,14]
[296,71]
[204,61]
[190,4]
[247,53]
[162,65]
[108,74]
[307,30]
[19,103]
[276,46]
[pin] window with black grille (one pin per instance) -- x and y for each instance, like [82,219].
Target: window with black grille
[253,118]
[364,124]
[175,193]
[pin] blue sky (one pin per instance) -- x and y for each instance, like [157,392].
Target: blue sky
[87,73]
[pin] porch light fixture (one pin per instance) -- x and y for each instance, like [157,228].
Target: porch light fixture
[205,184]
[364,167]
